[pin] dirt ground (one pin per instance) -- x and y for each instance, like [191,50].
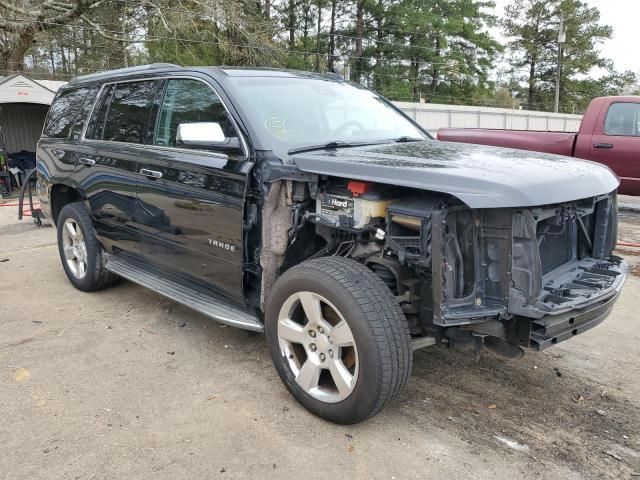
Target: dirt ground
[126,384]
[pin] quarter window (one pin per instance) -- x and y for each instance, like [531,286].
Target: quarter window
[87,105]
[63,112]
[623,119]
[124,115]
[191,101]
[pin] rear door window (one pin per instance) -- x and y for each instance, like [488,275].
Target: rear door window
[124,114]
[623,119]
[63,112]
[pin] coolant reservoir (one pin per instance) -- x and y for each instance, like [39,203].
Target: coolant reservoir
[344,208]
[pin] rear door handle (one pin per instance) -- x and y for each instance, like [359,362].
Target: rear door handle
[87,161]
[603,145]
[151,173]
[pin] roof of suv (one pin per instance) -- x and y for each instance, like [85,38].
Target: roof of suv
[219,70]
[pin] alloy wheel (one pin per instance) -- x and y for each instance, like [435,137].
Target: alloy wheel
[74,248]
[319,347]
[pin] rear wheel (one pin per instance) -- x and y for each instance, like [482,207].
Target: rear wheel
[80,251]
[338,339]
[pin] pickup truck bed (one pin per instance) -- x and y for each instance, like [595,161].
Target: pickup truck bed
[609,134]
[558,143]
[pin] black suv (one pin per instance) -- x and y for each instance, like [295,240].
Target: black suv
[312,209]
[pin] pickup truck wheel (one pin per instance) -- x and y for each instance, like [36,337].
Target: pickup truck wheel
[338,339]
[80,251]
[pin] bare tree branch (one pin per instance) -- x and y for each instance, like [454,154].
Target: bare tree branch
[14,8]
[18,34]
[101,31]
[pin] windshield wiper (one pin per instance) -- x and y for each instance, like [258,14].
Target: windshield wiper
[406,138]
[330,146]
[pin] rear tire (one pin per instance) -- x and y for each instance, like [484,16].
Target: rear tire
[81,253]
[342,373]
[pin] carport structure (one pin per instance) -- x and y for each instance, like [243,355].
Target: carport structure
[23,106]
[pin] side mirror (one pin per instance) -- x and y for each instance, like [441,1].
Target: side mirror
[206,136]
[201,134]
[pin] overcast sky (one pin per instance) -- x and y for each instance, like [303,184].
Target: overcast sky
[623,16]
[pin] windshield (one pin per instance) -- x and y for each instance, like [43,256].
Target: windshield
[291,113]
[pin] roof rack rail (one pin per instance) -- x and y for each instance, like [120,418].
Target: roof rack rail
[122,71]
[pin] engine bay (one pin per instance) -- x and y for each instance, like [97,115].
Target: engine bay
[461,273]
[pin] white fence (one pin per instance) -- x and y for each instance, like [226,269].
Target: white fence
[433,116]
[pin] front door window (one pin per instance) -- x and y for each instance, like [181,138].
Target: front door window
[192,101]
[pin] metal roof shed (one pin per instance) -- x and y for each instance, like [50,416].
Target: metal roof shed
[23,106]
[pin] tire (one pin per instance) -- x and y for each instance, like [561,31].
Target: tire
[84,262]
[379,361]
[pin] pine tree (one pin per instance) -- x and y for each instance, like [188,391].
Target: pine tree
[533,26]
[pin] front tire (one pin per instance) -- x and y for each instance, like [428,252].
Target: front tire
[338,339]
[80,251]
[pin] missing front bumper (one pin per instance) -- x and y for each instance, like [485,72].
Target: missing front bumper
[553,329]
[582,312]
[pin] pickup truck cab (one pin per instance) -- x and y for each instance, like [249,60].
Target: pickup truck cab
[311,209]
[609,134]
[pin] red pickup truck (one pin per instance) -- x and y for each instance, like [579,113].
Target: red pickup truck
[609,134]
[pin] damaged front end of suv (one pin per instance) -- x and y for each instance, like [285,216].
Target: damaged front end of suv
[466,266]
[509,277]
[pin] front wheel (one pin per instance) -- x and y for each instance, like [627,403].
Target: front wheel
[338,339]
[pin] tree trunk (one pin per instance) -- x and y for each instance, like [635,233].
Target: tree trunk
[377,79]
[63,57]
[435,75]
[356,75]
[416,74]
[217,54]
[291,24]
[305,29]
[12,59]
[532,83]
[52,59]
[75,51]
[415,71]
[318,36]
[332,36]
[19,39]
[267,8]
[85,43]
[125,58]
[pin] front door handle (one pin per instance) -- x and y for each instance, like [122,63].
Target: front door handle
[603,145]
[87,161]
[151,173]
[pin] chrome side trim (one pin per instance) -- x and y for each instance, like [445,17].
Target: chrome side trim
[187,150]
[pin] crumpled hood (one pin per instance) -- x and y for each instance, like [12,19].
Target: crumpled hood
[480,176]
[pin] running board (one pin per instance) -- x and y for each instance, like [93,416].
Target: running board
[208,305]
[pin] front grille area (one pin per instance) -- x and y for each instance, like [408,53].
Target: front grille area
[554,240]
